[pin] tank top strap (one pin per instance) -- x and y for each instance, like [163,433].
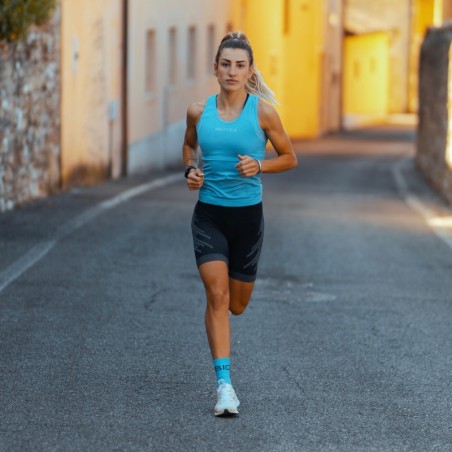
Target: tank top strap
[211,103]
[252,101]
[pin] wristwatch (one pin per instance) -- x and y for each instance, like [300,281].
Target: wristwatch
[188,169]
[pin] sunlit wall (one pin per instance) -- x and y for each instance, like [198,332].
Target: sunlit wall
[298,45]
[449,109]
[366,74]
[393,18]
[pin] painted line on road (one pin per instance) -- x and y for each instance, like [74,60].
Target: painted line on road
[441,225]
[36,253]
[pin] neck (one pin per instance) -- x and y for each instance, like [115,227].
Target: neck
[231,100]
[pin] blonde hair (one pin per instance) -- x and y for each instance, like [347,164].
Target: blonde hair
[255,84]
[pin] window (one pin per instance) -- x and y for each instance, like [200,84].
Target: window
[150,62]
[191,54]
[286,17]
[210,48]
[172,57]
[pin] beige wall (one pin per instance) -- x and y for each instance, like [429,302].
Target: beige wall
[445,10]
[157,118]
[91,111]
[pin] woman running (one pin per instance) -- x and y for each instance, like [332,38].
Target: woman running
[232,129]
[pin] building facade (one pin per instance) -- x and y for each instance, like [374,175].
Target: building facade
[170,64]
[102,90]
[298,48]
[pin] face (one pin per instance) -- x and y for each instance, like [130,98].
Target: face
[233,69]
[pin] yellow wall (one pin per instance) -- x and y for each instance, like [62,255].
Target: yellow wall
[423,16]
[392,17]
[91,68]
[258,17]
[288,39]
[449,109]
[366,74]
[302,75]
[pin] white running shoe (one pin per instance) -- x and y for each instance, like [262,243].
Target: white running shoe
[227,402]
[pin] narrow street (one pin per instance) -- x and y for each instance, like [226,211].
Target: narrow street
[346,344]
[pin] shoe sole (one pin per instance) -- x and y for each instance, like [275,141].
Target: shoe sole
[226,413]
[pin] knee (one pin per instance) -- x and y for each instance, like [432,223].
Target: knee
[237,306]
[218,298]
[237,309]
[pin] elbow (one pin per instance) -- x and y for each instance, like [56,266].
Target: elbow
[294,161]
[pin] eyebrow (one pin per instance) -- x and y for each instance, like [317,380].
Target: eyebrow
[229,61]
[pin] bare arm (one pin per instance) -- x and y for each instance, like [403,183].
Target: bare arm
[190,157]
[190,146]
[272,126]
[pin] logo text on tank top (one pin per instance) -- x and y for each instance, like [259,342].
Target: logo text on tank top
[225,129]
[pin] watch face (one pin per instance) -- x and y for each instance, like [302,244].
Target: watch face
[188,169]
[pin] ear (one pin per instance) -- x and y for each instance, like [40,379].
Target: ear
[215,69]
[250,71]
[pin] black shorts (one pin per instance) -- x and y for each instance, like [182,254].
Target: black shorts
[230,234]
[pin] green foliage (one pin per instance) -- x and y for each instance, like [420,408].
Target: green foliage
[16,16]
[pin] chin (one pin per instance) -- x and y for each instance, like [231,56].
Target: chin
[232,88]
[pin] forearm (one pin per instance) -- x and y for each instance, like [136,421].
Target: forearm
[190,156]
[279,164]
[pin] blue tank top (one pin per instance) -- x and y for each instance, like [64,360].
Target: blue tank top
[220,142]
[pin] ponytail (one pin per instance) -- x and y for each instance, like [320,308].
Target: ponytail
[255,84]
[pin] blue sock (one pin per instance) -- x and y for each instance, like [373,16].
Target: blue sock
[222,369]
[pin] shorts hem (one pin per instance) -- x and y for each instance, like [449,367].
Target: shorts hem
[210,258]
[242,277]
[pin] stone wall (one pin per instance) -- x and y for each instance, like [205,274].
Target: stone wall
[435,108]
[30,116]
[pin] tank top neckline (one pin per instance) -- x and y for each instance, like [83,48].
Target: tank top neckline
[235,119]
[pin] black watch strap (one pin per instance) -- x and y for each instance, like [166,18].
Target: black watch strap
[188,169]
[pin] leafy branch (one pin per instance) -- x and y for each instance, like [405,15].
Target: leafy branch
[16,17]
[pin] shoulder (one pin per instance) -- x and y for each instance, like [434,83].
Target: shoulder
[268,116]
[194,111]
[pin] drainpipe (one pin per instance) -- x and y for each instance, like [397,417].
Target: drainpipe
[124,97]
[341,75]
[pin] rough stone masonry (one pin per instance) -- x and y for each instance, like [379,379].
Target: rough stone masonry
[30,116]
[435,108]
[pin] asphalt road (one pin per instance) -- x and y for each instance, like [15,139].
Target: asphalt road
[346,344]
